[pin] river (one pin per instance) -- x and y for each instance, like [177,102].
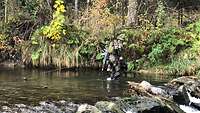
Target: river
[29,87]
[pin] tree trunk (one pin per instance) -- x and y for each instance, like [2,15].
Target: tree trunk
[123,12]
[50,5]
[88,2]
[6,11]
[76,7]
[132,12]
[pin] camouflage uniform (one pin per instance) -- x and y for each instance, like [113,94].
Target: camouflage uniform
[113,61]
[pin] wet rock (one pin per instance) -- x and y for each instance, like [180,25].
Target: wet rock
[20,105]
[71,108]
[44,107]
[38,109]
[6,109]
[142,105]
[188,109]
[139,103]
[108,107]
[146,85]
[157,91]
[135,104]
[169,90]
[25,110]
[62,102]
[182,97]
[120,105]
[184,90]
[185,80]
[67,107]
[191,83]
[85,108]
[43,103]
[153,93]
[50,107]
[196,105]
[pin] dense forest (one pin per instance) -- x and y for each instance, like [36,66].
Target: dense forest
[161,35]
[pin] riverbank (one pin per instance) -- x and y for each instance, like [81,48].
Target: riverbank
[163,51]
[160,71]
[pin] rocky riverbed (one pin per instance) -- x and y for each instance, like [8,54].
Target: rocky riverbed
[118,105]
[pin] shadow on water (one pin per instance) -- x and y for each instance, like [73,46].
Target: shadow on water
[79,87]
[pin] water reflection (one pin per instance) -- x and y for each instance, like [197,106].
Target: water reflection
[69,74]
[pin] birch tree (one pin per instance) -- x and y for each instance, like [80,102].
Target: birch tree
[132,12]
[6,11]
[76,7]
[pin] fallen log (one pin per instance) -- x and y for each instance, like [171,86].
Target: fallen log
[144,89]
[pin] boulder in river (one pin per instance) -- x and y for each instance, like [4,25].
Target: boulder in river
[134,104]
[146,85]
[138,104]
[108,107]
[182,96]
[191,83]
[154,94]
[184,90]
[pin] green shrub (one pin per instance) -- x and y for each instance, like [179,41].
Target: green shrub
[165,46]
[131,66]
[182,66]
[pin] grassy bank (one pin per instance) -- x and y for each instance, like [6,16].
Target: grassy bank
[171,50]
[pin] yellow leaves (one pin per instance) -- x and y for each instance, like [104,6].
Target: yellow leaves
[54,33]
[55,30]
[59,2]
[61,8]
[45,30]
[56,36]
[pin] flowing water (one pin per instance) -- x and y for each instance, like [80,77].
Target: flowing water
[29,87]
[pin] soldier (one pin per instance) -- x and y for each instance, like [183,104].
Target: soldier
[113,60]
